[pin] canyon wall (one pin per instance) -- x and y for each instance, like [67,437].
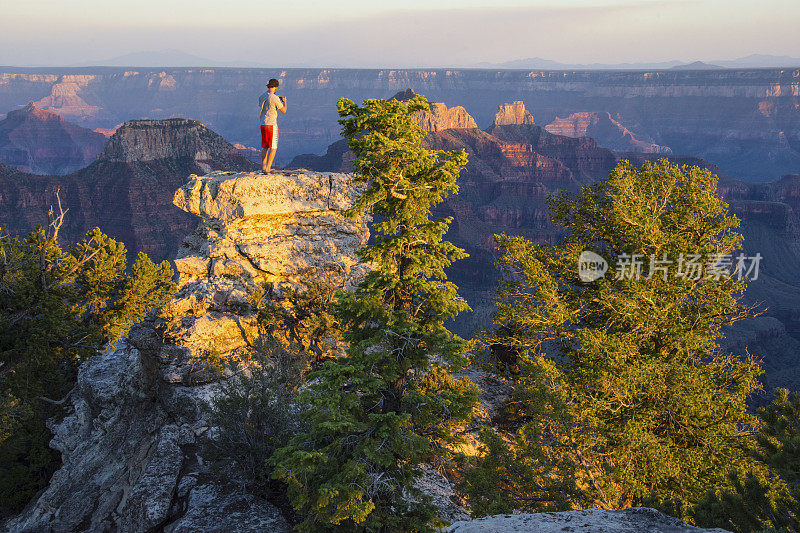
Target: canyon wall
[745,121]
[128,190]
[606,130]
[513,168]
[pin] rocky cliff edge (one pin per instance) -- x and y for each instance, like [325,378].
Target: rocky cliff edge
[131,442]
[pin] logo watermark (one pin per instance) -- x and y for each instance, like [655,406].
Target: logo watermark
[592,266]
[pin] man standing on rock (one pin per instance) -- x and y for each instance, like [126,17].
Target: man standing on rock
[270,103]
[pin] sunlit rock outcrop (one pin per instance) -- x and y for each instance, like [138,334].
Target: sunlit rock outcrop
[513,113]
[284,229]
[440,117]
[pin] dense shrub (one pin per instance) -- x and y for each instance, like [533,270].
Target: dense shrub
[57,308]
[623,396]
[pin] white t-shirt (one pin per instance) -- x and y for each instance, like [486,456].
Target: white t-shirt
[269,104]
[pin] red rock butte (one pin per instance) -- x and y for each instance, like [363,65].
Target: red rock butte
[41,142]
[513,113]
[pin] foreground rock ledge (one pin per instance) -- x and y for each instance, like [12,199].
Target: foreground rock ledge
[635,520]
[281,230]
[227,196]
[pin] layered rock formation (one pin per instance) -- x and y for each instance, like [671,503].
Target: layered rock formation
[513,113]
[745,121]
[606,130]
[131,443]
[440,117]
[128,190]
[150,140]
[585,159]
[41,142]
[67,95]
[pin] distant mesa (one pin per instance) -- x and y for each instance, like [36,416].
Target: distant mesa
[513,113]
[751,61]
[150,140]
[440,117]
[38,141]
[606,130]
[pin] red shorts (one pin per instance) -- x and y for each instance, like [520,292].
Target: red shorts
[269,136]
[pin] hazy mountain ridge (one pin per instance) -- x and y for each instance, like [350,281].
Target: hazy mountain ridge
[165,58]
[178,58]
[751,61]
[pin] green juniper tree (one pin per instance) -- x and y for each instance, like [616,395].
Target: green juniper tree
[624,397]
[391,402]
[778,440]
[56,309]
[766,499]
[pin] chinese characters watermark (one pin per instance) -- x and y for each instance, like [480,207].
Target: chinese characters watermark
[592,266]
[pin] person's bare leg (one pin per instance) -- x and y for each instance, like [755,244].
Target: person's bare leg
[270,159]
[264,159]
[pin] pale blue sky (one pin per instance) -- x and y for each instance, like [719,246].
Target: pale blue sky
[370,33]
